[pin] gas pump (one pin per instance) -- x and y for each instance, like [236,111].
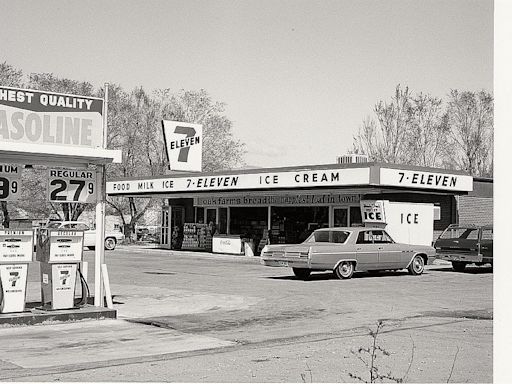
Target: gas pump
[59,253]
[16,247]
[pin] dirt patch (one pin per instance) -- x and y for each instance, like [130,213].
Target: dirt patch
[207,322]
[478,314]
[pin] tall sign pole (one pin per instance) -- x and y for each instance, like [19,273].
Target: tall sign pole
[99,255]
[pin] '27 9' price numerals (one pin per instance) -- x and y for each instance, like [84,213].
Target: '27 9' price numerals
[64,187]
[7,188]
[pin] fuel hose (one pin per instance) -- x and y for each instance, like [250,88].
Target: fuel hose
[81,302]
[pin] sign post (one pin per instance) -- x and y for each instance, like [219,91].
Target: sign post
[99,253]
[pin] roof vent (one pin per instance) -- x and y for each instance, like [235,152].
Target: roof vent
[353,158]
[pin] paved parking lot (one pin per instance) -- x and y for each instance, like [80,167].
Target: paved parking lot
[185,316]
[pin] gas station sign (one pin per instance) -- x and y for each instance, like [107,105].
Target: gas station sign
[49,118]
[71,185]
[10,177]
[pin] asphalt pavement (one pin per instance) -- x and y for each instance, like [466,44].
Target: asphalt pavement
[200,317]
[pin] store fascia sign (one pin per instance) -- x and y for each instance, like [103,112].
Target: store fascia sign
[271,180]
[425,180]
[48,118]
[308,199]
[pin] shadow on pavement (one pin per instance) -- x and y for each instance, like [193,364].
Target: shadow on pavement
[330,275]
[471,270]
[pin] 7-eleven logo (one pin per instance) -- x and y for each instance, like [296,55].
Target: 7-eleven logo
[184,145]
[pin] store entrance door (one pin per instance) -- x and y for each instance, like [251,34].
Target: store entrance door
[340,217]
[164,227]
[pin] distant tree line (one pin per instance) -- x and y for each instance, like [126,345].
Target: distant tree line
[420,129]
[134,126]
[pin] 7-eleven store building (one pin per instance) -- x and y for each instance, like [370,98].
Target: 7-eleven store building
[219,210]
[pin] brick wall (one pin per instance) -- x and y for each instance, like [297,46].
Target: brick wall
[475,210]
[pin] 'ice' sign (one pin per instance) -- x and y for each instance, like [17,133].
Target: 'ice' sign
[372,211]
[184,145]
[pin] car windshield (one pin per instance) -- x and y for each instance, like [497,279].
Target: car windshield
[54,224]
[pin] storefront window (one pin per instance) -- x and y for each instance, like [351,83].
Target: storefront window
[249,222]
[293,225]
[200,215]
[340,217]
[223,221]
[355,217]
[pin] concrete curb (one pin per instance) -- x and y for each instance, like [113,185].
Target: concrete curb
[191,254]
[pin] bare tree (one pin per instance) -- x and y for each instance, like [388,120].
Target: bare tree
[9,77]
[134,128]
[427,140]
[470,116]
[384,139]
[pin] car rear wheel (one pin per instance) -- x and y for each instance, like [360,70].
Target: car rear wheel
[417,265]
[301,273]
[458,266]
[110,243]
[344,270]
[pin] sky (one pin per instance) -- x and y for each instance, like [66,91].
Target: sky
[297,77]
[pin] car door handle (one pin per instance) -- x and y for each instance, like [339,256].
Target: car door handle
[358,249]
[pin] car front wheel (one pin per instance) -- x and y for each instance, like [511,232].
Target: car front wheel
[417,265]
[344,270]
[301,273]
[110,244]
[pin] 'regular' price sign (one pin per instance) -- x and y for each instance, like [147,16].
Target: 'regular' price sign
[71,186]
[10,180]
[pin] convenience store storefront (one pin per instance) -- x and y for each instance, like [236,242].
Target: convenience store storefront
[284,205]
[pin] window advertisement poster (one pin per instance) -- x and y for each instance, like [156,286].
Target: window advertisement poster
[184,145]
[372,211]
[39,117]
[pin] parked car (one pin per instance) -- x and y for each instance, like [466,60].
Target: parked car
[346,250]
[465,244]
[112,238]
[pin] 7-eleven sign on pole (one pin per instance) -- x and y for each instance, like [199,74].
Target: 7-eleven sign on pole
[184,145]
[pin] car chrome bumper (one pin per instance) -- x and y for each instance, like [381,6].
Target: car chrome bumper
[460,257]
[294,263]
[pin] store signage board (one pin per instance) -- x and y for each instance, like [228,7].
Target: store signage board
[66,246]
[307,199]
[372,211]
[184,145]
[72,185]
[48,118]
[425,180]
[16,246]
[10,182]
[273,180]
